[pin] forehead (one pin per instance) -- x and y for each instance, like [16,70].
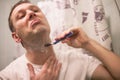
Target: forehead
[21,7]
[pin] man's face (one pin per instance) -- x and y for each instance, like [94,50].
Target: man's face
[29,22]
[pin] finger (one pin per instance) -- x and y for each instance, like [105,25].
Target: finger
[47,63]
[55,64]
[58,68]
[68,41]
[52,63]
[31,70]
[62,35]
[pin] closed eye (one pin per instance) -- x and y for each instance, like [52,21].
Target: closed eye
[20,15]
[35,9]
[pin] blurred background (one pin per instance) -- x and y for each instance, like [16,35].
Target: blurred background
[9,50]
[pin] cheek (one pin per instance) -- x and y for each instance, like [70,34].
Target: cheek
[20,24]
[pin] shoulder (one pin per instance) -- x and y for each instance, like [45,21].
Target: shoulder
[18,62]
[14,67]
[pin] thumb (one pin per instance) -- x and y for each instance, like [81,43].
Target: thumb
[31,70]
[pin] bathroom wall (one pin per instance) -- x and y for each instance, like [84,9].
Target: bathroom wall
[9,50]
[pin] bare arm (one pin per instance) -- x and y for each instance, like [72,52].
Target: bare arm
[110,60]
[101,73]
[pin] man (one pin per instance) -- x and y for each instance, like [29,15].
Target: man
[30,28]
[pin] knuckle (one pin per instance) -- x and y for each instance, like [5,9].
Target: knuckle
[49,71]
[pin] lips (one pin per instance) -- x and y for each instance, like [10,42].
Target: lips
[34,22]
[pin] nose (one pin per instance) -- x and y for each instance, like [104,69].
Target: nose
[31,14]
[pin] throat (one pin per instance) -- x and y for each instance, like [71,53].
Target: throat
[39,57]
[37,46]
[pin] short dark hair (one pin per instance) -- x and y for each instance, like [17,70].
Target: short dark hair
[11,27]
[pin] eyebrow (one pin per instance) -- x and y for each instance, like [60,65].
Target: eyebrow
[33,6]
[29,7]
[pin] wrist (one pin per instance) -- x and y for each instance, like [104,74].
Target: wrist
[88,44]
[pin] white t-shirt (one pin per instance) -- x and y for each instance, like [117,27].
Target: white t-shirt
[74,67]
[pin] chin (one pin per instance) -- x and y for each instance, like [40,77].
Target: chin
[42,31]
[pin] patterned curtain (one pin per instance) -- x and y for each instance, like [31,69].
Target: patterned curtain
[88,14]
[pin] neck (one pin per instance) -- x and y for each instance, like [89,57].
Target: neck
[37,53]
[39,56]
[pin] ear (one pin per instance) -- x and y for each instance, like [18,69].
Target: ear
[16,37]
